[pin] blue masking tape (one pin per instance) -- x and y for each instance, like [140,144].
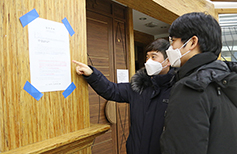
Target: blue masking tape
[28,17]
[69,90]
[68,26]
[32,91]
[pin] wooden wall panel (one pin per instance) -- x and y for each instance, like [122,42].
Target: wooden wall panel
[23,120]
[141,41]
[103,147]
[119,11]
[143,37]
[101,6]
[152,9]
[186,6]
[168,10]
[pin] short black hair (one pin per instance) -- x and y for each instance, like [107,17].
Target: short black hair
[159,45]
[199,24]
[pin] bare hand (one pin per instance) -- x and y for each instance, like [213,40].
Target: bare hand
[82,69]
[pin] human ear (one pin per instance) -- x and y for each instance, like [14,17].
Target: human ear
[194,42]
[168,62]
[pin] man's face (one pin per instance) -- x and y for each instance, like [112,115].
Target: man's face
[158,56]
[154,55]
[177,44]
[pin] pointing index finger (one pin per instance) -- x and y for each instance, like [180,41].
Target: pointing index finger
[76,62]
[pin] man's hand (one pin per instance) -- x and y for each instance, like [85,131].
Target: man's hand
[82,69]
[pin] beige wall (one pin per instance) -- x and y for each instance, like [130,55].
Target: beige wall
[24,120]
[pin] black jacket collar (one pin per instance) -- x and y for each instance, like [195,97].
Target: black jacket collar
[195,62]
[141,80]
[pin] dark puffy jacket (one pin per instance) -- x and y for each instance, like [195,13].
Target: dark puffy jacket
[147,97]
[202,114]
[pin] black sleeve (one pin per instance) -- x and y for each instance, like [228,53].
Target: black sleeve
[118,92]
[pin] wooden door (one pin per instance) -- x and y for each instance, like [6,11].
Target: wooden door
[121,62]
[100,55]
[107,51]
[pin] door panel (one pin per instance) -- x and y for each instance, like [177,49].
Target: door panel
[107,52]
[121,63]
[99,47]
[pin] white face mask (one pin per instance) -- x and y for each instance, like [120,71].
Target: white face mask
[174,55]
[153,67]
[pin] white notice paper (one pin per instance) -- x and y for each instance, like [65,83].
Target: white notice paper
[122,76]
[49,51]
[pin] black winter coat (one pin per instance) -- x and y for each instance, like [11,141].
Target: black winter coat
[202,114]
[147,97]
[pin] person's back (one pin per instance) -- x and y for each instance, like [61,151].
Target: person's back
[202,112]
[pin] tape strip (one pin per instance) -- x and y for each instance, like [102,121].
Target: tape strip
[68,26]
[32,91]
[28,17]
[69,90]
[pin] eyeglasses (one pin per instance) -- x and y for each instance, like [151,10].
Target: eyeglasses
[170,40]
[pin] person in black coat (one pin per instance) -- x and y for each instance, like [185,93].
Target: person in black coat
[202,114]
[147,95]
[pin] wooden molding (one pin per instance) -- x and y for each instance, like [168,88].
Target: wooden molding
[152,9]
[226,11]
[187,6]
[168,11]
[131,52]
[67,143]
[223,0]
